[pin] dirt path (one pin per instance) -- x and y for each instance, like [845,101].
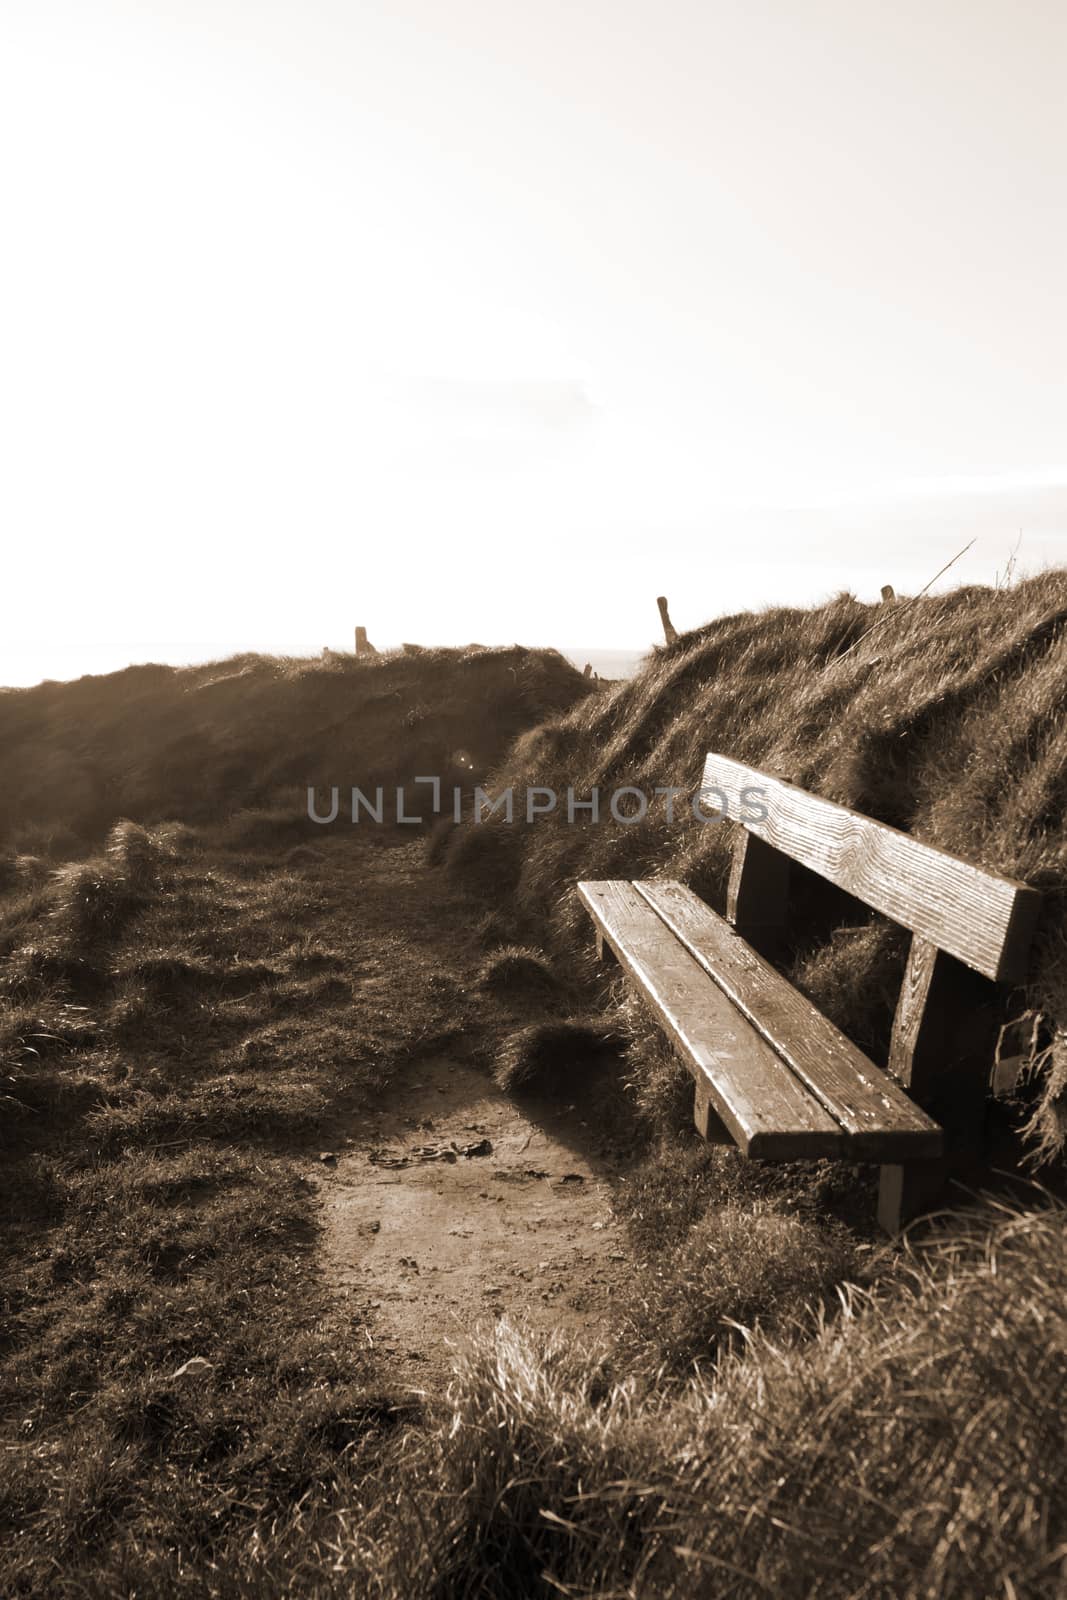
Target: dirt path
[452,1206]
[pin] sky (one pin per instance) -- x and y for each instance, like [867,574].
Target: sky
[477,320]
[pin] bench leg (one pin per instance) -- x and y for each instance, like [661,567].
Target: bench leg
[905,1193]
[944,1042]
[706,1119]
[757,896]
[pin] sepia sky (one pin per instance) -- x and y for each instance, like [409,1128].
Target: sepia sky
[470,319]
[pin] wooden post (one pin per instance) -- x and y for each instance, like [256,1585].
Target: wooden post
[587,671]
[757,896]
[670,632]
[942,1052]
[706,1119]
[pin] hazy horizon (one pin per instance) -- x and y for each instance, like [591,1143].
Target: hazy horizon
[609,660]
[905,544]
[607,663]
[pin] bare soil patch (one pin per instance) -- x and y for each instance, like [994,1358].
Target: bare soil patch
[454,1206]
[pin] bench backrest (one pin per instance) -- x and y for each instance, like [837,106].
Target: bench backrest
[984,920]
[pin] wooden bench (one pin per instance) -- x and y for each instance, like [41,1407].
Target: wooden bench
[773,1074]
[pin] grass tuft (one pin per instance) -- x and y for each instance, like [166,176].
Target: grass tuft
[543,1057]
[22,871]
[135,854]
[93,902]
[521,976]
[486,857]
[739,1267]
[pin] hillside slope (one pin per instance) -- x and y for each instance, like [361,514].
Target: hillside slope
[199,743]
[944,717]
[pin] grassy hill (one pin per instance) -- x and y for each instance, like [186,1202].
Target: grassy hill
[201,743]
[944,717]
[192,1000]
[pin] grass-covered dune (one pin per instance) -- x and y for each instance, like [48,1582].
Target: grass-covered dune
[943,716]
[191,1013]
[200,743]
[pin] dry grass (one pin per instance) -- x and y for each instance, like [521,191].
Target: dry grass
[187,1013]
[180,1032]
[892,1452]
[520,976]
[739,1266]
[544,1057]
[946,722]
[879,1450]
[250,734]
[788,1410]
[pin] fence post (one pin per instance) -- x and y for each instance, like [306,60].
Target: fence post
[669,630]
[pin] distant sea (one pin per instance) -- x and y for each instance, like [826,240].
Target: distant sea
[607,663]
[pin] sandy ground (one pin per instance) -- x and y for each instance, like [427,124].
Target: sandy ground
[452,1205]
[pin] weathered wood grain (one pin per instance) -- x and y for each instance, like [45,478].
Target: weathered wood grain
[985,921]
[768,1111]
[881,1122]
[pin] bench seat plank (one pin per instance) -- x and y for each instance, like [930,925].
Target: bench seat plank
[768,1111]
[986,921]
[881,1122]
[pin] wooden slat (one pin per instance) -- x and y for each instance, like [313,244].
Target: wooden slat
[984,920]
[769,1112]
[881,1122]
